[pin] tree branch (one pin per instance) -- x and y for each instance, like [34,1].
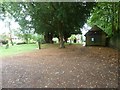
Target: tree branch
[53,6]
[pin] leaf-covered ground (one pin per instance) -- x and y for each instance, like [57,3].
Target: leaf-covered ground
[73,67]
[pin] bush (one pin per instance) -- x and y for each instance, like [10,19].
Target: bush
[21,43]
[4,41]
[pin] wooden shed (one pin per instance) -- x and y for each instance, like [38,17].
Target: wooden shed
[95,36]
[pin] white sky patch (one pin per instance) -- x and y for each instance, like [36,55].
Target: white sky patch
[4,26]
[85,29]
[15,25]
[28,18]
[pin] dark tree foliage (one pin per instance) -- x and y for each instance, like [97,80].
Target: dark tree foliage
[59,19]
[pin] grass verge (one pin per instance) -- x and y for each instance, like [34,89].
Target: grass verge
[16,49]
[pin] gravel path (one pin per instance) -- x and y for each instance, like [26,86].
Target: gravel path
[72,67]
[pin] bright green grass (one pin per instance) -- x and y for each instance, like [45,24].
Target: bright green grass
[16,49]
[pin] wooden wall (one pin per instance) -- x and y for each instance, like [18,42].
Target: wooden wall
[99,40]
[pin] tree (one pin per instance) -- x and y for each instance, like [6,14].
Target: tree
[10,32]
[21,16]
[105,15]
[58,18]
[6,17]
[2,11]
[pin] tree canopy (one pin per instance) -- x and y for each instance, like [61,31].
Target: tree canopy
[106,16]
[59,19]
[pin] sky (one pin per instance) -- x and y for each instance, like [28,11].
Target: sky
[4,28]
[85,29]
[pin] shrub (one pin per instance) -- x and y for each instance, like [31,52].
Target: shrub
[4,41]
[21,43]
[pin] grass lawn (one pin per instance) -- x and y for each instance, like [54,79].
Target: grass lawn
[16,49]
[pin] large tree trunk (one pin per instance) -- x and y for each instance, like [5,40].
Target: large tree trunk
[65,38]
[119,18]
[61,40]
[11,41]
[61,36]
[10,34]
[48,37]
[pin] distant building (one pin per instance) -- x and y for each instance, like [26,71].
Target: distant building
[75,38]
[95,36]
[16,39]
[79,38]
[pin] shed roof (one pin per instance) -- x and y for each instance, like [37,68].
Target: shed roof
[95,28]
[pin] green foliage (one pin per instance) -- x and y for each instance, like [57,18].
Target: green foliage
[2,11]
[105,15]
[24,34]
[60,18]
[72,37]
[37,37]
